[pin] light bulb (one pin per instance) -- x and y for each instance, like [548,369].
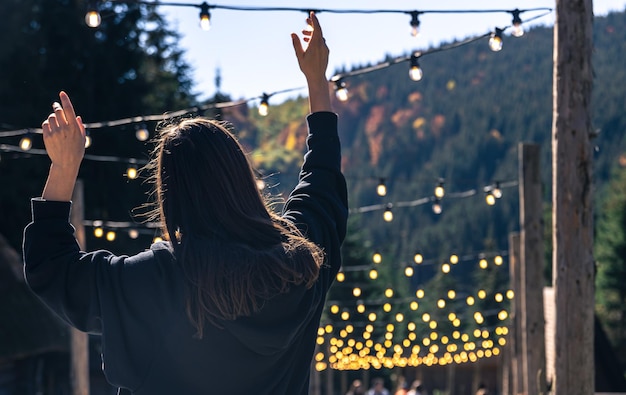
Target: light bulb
[142,133]
[490,198]
[356,292]
[495,41]
[418,258]
[110,236]
[133,233]
[373,274]
[415,71]
[437,209]
[26,143]
[131,173]
[381,189]
[98,232]
[388,214]
[205,17]
[341,91]
[518,29]
[408,271]
[264,106]
[377,257]
[497,191]
[88,140]
[439,190]
[415,23]
[93,18]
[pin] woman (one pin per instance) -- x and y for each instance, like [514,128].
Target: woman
[231,303]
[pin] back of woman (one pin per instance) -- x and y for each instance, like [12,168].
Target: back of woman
[231,302]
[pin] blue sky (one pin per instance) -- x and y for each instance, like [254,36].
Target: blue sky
[254,53]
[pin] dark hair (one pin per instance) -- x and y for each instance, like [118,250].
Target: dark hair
[234,250]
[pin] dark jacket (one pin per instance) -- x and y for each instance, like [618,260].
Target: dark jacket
[137,303]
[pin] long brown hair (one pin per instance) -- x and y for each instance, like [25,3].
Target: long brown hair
[234,250]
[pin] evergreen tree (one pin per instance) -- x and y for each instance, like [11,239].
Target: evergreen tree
[610,253]
[129,66]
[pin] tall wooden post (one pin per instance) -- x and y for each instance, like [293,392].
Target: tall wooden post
[515,341]
[572,216]
[79,341]
[531,271]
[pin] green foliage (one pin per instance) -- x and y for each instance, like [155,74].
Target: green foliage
[130,65]
[610,253]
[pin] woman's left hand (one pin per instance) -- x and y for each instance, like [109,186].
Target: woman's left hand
[64,135]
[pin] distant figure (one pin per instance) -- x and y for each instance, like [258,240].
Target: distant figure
[378,387]
[356,388]
[416,388]
[402,387]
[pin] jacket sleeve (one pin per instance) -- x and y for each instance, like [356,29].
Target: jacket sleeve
[318,205]
[96,292]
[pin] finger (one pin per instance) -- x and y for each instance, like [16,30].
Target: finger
[68,108]
[315,23]
[58,111]
[297,45]
[53,122]
[81,125]
[45,127]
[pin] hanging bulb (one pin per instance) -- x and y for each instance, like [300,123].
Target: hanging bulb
[264,106]
[418,258]
[141,132]
[518,29]
[388,215]
[377,257]
[98,232]
[495,42]
[88,139]
[408,271]
[439,190]
[26,143]
[415,23]
[497,191]
[92,17]
[381,189]
[437,209]
[110,235]
[133,233]
[205,17]
[131,172]
[490,198]
[340,90]
[415,72]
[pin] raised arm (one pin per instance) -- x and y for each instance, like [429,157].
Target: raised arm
[313,62]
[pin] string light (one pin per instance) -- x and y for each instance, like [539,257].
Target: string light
[381,189]
[490,198]
[131,172]
[26,142]
[495,41]
[388,214]
[141,132]
[415,23]
[205,17]
[341,91]
[497,191]
[92,17]
[418,258]
[437,209]
[88,139]
[518,29]
[264,106]
[415,72]
[439,189]
[377,257]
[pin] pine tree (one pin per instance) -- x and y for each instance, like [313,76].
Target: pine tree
[610,253]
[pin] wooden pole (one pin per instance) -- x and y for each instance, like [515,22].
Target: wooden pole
[531,270]
[79,341]
[572,215]
[515,343]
